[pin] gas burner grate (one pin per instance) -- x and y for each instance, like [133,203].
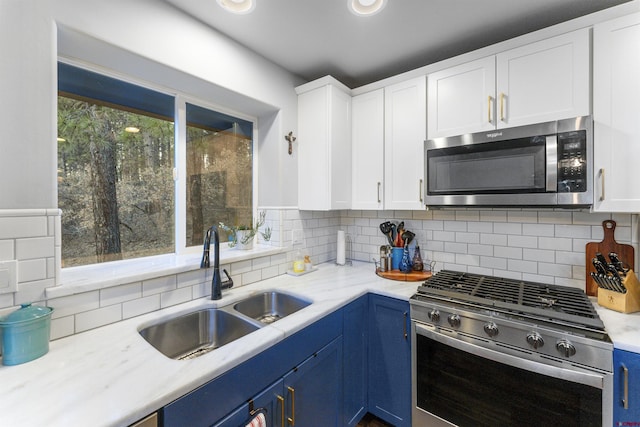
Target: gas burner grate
[546,301]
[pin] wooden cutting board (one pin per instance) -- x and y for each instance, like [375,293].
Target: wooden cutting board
[625,253]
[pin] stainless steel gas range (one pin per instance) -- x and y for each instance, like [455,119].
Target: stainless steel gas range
[491,351]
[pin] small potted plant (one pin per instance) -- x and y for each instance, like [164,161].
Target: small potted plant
[243,236]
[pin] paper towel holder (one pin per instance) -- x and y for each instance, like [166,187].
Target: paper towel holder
[347,249]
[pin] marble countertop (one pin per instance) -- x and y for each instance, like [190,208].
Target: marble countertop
[110,376]
[623,329]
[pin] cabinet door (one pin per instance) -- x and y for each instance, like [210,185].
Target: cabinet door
[270,403]
[390,360]
[405,134]
[616,114]
[461,98]
[544,81]
[324,149]
[314,389]
[367,139]
[355,361]
[626,383]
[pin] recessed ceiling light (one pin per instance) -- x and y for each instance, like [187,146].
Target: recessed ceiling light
[366,7]
[238,6]
[132,129]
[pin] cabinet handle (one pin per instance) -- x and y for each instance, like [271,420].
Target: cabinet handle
[420,190]
[489,99]
[625,380]
[281,403]
[602,183]
[502,107]
[292,419]
[379,201]
[405,325]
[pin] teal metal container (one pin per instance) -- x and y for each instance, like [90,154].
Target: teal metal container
[25,334]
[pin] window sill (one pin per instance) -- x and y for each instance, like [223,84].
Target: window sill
[77,280]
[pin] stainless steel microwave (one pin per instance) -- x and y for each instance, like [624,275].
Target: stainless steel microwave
[546,164]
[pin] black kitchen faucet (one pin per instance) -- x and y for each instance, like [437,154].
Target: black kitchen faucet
[217,285]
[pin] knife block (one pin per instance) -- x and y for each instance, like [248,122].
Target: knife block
[628,302]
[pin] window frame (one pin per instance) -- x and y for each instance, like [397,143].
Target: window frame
[180,144]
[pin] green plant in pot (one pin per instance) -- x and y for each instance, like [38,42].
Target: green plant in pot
[243,236]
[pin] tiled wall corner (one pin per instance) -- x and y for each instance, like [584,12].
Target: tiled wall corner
[28,237]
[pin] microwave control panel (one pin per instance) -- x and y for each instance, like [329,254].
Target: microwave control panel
[572,162]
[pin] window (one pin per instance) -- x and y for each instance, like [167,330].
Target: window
[116,162]
[219,172]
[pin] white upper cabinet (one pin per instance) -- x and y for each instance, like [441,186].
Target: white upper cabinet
[461,98]
[543,81]
[367,138]
[405,132]
[324,146]
[616,114]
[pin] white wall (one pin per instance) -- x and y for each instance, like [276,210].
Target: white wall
[160,43]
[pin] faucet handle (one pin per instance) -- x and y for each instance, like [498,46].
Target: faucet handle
[227,283]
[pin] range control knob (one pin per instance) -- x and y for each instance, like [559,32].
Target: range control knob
[565,348]
[491,329]
[434,316]
[535,340]
[454,320]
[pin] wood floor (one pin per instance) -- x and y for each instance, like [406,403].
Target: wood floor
[371,421]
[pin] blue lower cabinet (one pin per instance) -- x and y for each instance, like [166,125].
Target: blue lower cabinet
[626,388]
[222,396]
[390,360]
[355,333]
[314,389]
[270,403]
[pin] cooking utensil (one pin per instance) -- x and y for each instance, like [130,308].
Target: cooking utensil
[606,246]
[385,227]
[399,241]
[407,236]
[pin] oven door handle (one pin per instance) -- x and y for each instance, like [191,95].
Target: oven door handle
[590,379]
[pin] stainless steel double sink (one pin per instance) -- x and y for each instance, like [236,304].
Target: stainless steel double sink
[189,335]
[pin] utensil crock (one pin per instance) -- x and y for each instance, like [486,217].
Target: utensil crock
[25,334]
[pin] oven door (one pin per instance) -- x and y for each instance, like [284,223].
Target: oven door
[460,383]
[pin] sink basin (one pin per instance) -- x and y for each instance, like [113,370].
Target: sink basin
[268,307]
[197,333]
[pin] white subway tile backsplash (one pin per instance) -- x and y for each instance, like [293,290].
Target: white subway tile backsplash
[522,241]
[555,243]
[22,227]
[140,306]
[493,216]
[507,228]
[547,230]
[120,294]
[62,327]
[573,231]
[7,251]
[538,255]
[493,239]
[176,296]
[480,227]
[554,217]
[159,285]
[73,304]
[96,318]
[464,237]
[32,269]
[522,266]
[36,247]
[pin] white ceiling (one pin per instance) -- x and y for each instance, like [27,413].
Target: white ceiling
[313,38]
